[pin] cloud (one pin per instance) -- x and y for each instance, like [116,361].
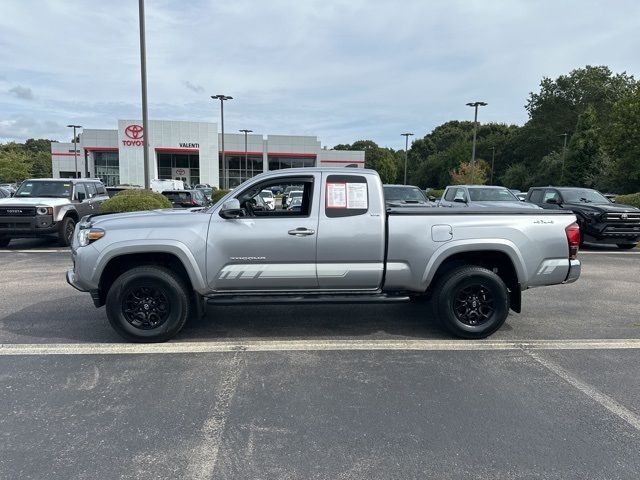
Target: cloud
[193,87]
[24,93]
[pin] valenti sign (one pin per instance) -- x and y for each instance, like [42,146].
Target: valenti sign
[134,134]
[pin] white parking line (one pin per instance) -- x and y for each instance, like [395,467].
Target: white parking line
[605,400]
[310,345]
[34,251]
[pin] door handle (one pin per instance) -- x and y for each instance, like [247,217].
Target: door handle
[301,232]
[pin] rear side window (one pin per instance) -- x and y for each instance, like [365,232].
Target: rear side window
[536,196]
[100,189]
[346,196]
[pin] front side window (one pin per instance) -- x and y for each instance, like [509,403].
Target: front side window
[536,196]
[295,203]
[550,195]
[81,192]
[460,195]
[91,189]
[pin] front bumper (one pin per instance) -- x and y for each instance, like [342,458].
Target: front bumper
[574,271]
[17,226]
[71,280]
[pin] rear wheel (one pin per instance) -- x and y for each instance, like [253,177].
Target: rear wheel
[626,246]
[471,302]
[65,233]
[4,241]
[148,304]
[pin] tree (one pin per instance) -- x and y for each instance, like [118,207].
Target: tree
[375,157]
[517,176]
[622,143]
[14,165]
[584,154]
[465,175]
[386,167]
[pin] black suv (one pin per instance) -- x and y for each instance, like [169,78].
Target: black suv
[600,220]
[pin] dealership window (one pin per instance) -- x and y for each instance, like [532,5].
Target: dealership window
[278,162]
[107,167]
[240,168]
[179,166]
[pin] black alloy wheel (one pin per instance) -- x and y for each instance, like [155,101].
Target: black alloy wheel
[473,305]
[145,307]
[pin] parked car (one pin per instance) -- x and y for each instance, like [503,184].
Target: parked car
[269,199]
[10,187]
[286,200]
[5,192]
[208,191]
[295,205]
[482,196]
[153,270]
[49,206]
[405,196]
[600,219]
[287,192]
[187,198]
[111,191]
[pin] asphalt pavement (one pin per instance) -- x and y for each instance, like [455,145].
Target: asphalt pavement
[335,392]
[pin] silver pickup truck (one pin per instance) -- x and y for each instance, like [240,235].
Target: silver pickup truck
[154,269]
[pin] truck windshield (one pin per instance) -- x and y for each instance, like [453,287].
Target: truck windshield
[44,189]
[582,195]
[491,195]
[404,194]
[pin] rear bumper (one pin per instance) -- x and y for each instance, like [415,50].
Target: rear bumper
[574,271]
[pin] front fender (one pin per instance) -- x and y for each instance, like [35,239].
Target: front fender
[60,212]
[174,247]
[474,245]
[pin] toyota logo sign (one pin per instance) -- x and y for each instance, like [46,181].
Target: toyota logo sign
[180,171]
[135,133]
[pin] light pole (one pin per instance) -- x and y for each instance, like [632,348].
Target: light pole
[564,154]
[246,153]
[475,132]
[493,159]
[143,81]
[406,153]
[75,148]
[222,99]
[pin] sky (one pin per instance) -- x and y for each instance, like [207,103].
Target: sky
[341,70]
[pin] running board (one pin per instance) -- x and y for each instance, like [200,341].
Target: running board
[301,299]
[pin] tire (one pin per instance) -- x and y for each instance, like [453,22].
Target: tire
[157,287]
[4,242]
[65,234]
[626,246]
[479,319]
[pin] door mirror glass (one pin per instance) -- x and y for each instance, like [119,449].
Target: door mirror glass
[460,200]
[231,209]
[553,201]
[432,198]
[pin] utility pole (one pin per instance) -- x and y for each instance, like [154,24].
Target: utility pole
[475,131]
[493,159]
[222,99]
[564,154]
[406,153]
[143,79]
[246,153]
[75,149]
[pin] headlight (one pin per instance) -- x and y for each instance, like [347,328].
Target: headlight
[44,210]
[88,235]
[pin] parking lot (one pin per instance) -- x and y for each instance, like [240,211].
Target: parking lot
[336,392]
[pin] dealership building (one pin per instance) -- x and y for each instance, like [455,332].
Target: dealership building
[189,151]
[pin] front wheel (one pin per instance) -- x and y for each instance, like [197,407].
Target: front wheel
[471,302]
[626,246]
[65,234]
[148,304]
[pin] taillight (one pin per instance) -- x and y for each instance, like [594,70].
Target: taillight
[573,239]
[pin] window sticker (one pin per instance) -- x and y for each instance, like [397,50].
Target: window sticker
[357,196]
[336,195]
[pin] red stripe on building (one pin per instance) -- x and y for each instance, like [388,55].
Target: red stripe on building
[282,154]
[342,161]
[231,152]
[101,149]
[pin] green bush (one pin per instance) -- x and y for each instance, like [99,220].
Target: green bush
[435,193]
[135,201]
[632,199]
[218,194]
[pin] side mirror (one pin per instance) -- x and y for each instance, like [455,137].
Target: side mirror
[432,198]
[553,201]
[231,209]
[81,196]
[612,200]
[459,200]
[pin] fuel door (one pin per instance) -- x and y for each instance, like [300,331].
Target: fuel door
[441,233]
